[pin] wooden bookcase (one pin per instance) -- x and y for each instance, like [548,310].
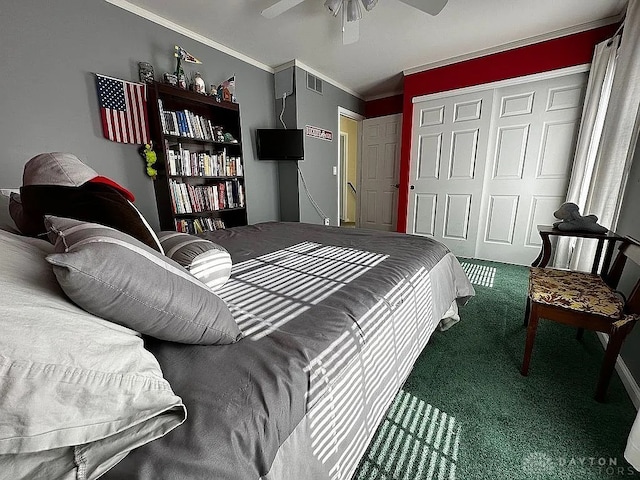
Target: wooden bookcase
[200,183]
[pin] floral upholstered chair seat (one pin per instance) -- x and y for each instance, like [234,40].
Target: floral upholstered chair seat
[587,302]
[576,291]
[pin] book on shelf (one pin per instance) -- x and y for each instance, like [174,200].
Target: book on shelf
[222,197]
[184,162]
[162,113]
[199,225]
[187,198]
[185,123]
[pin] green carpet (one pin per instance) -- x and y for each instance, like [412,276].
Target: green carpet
[465,411]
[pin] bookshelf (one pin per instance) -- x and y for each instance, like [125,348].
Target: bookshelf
[200,183]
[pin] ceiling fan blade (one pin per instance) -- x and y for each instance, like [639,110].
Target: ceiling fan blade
[432,7]
[350,30]
[279,7]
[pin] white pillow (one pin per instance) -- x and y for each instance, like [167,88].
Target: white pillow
[78,392]
[6,222]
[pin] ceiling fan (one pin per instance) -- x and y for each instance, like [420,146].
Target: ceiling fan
[352,12]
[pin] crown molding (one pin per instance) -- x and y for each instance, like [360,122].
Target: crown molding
[152,17]
[517,44]
[384,95]
[508,82]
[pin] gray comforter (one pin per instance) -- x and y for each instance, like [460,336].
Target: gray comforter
[295,290]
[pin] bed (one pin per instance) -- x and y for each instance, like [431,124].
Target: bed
[333,321]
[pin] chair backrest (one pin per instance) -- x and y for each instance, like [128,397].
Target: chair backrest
[629,250]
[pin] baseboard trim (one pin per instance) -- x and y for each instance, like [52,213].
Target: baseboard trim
[628,381]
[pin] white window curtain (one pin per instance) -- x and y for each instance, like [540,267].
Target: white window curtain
[595,107]
[607,137]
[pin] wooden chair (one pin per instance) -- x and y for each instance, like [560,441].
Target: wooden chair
[587,301]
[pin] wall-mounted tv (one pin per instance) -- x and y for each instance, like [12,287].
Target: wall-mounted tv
[280,144]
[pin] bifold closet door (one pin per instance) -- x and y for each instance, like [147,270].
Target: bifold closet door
[532,143]
[448,153]
[487,167]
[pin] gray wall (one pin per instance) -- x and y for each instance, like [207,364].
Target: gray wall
[320,155]
[48,100]
[629,224]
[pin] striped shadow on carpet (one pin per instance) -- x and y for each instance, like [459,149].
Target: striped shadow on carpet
[466,413]
[416,440]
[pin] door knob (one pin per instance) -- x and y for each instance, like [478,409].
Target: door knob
[412,187]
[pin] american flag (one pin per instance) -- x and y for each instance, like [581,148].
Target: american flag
[123,109]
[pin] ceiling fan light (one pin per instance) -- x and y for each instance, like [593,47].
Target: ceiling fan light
[353,11]
[333,6]
[369,4]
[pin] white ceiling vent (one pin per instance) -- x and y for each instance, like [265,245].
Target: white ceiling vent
[314,83]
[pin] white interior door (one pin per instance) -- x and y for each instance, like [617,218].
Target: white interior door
[448,152]
[379,172]
[532,142]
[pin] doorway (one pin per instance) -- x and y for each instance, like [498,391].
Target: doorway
[380,172]
[348,171]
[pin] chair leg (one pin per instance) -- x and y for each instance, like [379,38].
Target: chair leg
[580,334]
[616,337]
[531,336]
[527,310]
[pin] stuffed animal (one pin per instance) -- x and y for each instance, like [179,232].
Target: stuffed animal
[150,157]
[572,221]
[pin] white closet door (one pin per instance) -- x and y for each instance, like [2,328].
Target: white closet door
[531,148]
[448,152]
[380,172]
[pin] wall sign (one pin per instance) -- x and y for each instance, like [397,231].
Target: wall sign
[320,133]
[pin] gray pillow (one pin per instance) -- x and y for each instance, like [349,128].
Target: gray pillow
[112,275]
[205,260]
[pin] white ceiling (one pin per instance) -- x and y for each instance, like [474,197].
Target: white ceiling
[393,36]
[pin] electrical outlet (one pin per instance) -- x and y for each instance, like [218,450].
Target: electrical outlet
[326,221]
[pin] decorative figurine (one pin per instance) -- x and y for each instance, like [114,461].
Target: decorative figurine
[218,134]
[228,138]
[145,71]
[182,81]
[572,221]
[171,79]
[182,55]
[229,90]
[198,84]
[226,90]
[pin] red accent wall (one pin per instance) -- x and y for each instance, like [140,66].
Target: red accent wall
[383,106]
[568,51]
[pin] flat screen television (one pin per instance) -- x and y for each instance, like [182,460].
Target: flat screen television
[280,144]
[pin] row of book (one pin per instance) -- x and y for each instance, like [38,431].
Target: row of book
[187,198]
[187,124]
[199,225]
[182,161]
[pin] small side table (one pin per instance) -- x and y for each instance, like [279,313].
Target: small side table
[545,253]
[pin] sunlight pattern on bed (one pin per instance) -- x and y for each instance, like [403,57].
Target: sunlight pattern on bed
[356,377]
[267,292]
